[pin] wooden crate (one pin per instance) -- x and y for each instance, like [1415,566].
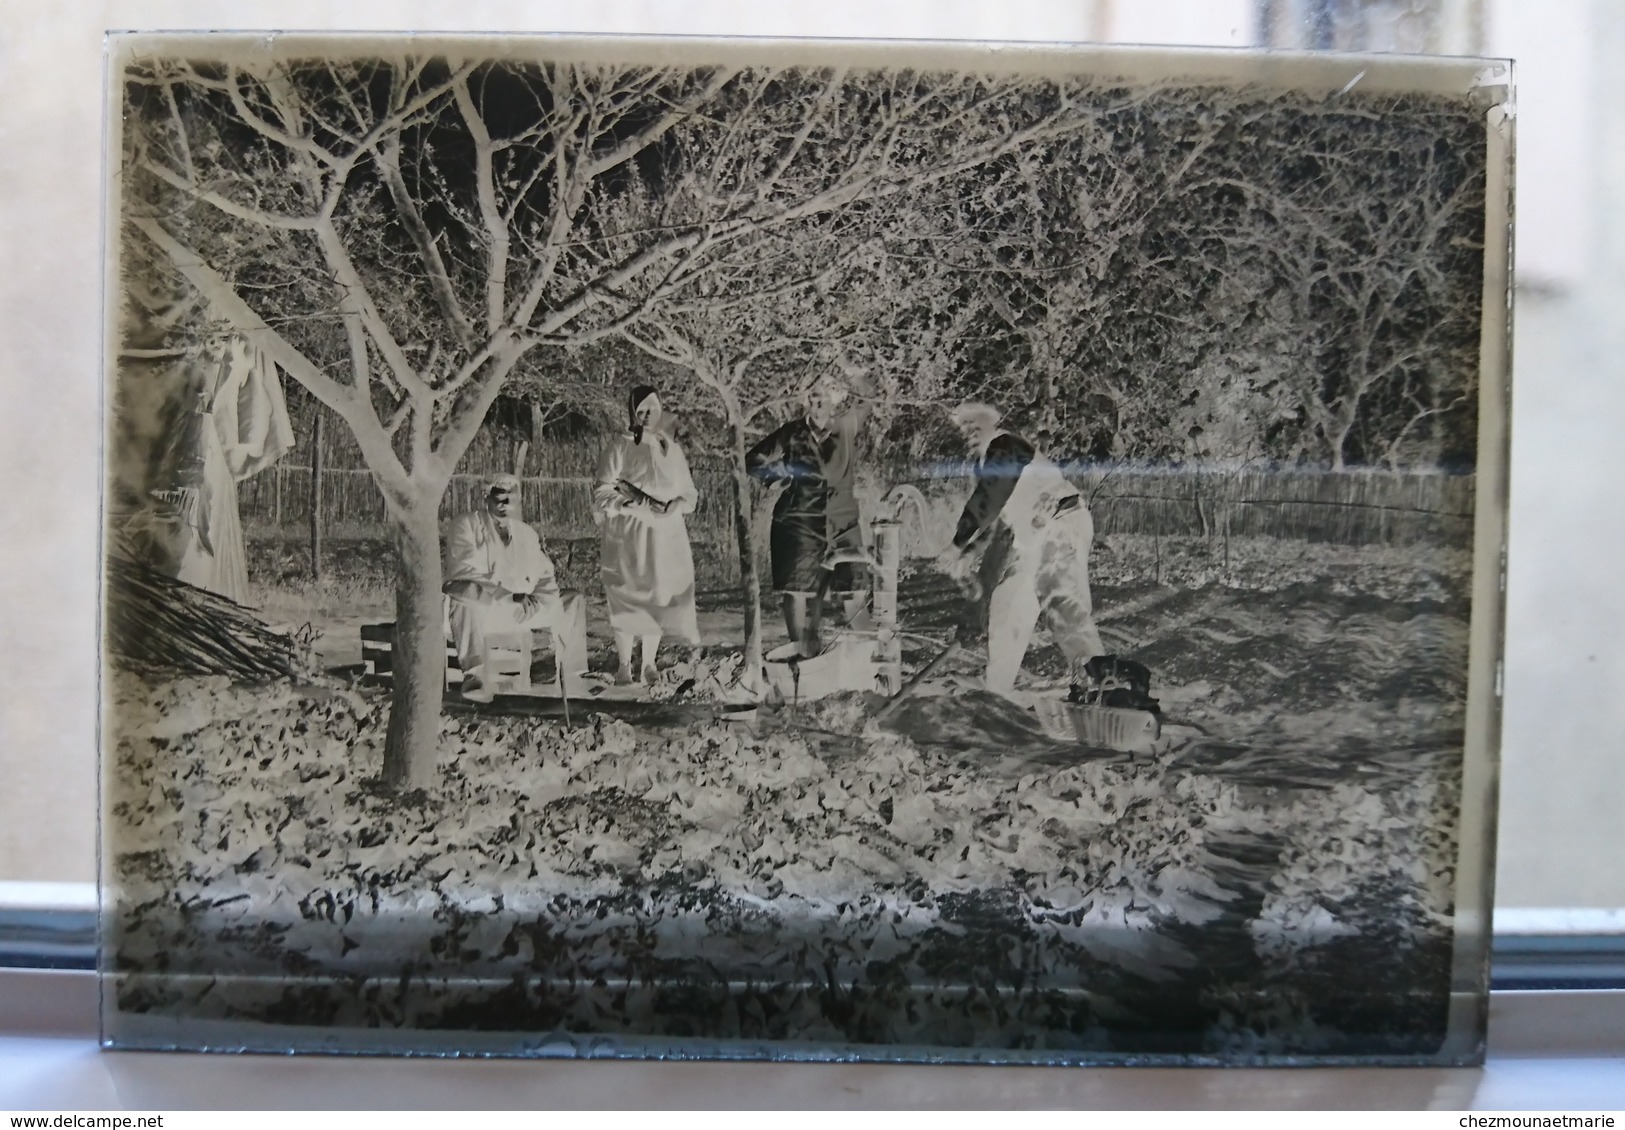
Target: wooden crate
[512,662]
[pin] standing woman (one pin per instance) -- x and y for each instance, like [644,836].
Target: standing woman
[644,490]
[816,518]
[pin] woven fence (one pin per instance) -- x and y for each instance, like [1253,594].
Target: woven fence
[1342,508]
[352,506]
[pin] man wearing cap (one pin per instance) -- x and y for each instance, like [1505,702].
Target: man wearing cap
[500,581]
[1035,533]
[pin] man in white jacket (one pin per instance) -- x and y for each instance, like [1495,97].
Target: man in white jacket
[500,581]
[1035,532]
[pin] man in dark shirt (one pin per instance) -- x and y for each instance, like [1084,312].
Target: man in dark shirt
[815,522]
[1035,533]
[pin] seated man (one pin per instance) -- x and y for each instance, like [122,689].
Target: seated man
[500,581]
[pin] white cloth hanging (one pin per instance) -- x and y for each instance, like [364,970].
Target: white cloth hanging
[245,429]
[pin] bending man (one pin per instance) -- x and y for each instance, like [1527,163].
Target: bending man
[1035,532]
[500,582]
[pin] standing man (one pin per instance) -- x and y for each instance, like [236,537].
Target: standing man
[499,580]
[1035,533]
[816,533]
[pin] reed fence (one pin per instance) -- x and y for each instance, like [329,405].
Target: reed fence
[1343,508]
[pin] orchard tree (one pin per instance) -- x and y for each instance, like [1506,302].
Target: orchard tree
[396,236]
[399,234]
[1351,243]
[1152,288]
[1064,298]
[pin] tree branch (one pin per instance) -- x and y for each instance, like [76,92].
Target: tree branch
[496,229]
[374,442]
[270,131]
[225,204]
[180,130]
[653,132]
[387,157]
[401,116]
[464,419]
[799,141]
[358,300]
[682,360]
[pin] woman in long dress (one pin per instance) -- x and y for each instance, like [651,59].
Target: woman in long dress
[816,520]
[644,491]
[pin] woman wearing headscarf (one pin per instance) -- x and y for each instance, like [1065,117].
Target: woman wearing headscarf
[644,491]
[815,522]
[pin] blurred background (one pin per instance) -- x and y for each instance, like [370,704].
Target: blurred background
[1563,782]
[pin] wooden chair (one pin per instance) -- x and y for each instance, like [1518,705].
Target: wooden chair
[508,656]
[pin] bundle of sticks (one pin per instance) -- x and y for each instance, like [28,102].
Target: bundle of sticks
[158,623]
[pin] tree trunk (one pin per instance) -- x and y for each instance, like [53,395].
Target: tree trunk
[749,578]
[419,658]
[316,494]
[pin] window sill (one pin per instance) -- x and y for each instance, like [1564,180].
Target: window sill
[53,926]
[1548,1050]
[1556,1041]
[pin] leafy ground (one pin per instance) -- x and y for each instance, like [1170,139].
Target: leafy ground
[1280,882]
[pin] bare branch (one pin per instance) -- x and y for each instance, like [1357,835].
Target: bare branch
[228,206]
[466,416]
[401,117]
[799,140]
[657,129]
[358,300]
[387,157]
[680,356]
[269,130]
[180,130]
[496,228]
[217,291]
[360,363]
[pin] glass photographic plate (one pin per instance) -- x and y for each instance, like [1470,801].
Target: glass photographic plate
[1068,486]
